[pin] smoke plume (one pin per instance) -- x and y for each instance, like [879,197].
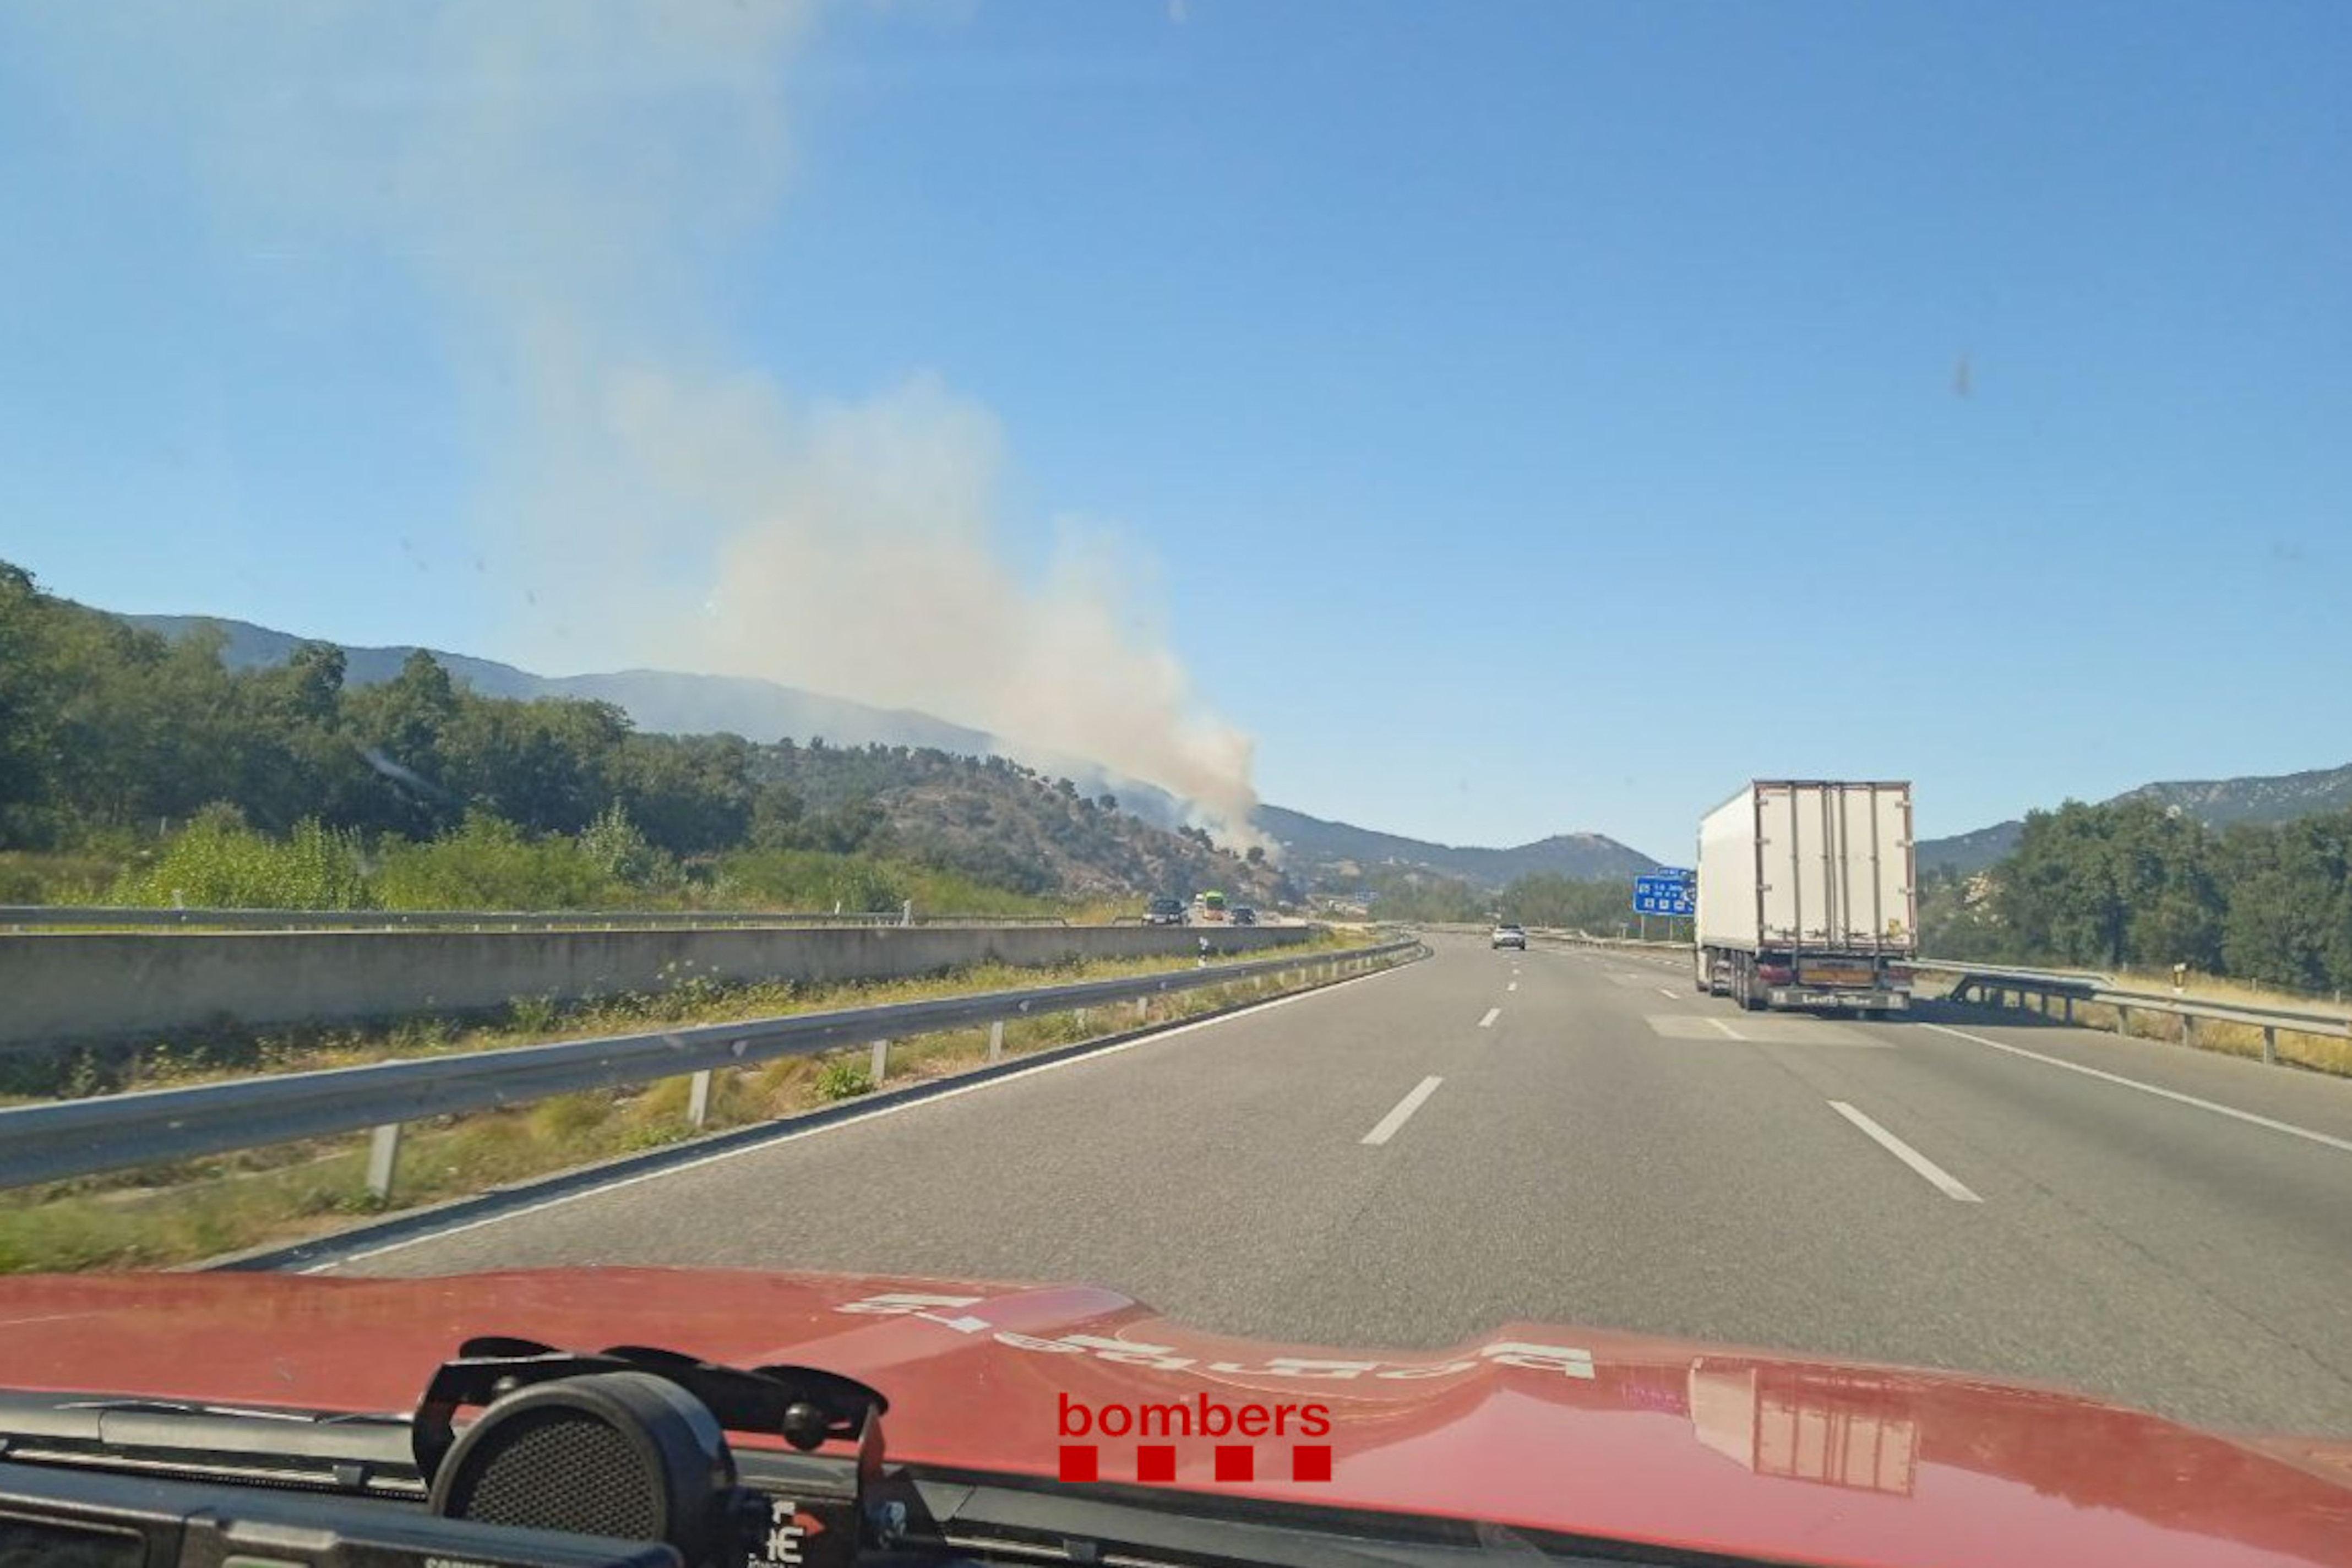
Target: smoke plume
[565,185]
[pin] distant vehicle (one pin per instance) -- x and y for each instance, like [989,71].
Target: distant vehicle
[1209,907]
[1164,912]
[1510,933]
[1805,897]
[1243,915]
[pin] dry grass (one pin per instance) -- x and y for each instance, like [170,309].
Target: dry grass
[165,1216]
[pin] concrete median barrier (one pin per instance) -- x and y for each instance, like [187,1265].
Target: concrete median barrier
[92,987]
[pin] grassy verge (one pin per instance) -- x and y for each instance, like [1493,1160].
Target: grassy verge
[169,1214]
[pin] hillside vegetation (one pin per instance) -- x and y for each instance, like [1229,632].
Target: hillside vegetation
[143,769]
[2139,884]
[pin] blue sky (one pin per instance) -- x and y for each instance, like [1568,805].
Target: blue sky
[1515,417]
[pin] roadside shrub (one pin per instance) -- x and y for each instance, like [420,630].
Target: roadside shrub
[842,1081]
[30,877]
[219,863]
[814,881]
[490,864]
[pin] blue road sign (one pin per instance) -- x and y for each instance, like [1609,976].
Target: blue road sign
[1663,894]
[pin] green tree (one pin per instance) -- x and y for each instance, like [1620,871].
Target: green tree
[693,794]
[544,765]
[399,729]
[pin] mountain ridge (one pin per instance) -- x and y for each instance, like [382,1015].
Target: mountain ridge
[1327,852]
[2259,798]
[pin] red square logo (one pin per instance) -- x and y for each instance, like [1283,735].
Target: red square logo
[1080,1462]
[1311,1462]
[1234,1462]
[1155,1462]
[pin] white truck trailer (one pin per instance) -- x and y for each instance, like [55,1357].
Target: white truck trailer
[1806,897]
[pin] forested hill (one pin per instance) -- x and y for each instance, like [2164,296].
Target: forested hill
[2140,883]
[113,738]
[2258,799]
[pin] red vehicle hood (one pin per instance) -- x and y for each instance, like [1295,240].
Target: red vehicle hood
[1677,1444]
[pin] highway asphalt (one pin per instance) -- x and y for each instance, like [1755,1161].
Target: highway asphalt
[1576,1137]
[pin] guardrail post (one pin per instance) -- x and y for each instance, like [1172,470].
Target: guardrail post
[1143,1008]
[2270,1045]
[996,1041]
[2070,1009]
[383,1155]
[697,1098]
[881,1060]
[2123,1019]
[2189,1028]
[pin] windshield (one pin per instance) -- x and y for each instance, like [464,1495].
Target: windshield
[656,521]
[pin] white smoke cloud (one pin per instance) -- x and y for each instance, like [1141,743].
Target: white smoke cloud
[562,181]
[913,606]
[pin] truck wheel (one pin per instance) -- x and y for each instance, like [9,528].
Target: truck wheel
[1749,997]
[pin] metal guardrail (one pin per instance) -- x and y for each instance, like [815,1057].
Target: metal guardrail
[57,1142]
[2000,985]
[22,917]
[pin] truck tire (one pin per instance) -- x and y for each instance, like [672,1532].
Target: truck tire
[1748,996]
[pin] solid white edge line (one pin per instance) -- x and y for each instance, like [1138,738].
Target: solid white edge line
[2289,1127]
[875,1114]
[1937,1177]
[1387,1127]
[1488,1021]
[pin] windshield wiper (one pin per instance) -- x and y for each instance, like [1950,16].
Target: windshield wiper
[362,1453]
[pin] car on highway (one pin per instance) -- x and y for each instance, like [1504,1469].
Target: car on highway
[1164,912]
[1243,915]
[756,1419]
[1510,935]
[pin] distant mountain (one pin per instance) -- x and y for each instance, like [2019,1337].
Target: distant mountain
[2279,797]
[1317,852]
[657,701]
[2216,802]
[1336,853]
[1973,851]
